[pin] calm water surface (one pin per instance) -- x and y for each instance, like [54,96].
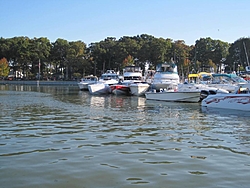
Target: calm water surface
[59,137]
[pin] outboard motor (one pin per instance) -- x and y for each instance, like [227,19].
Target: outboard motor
[205,93]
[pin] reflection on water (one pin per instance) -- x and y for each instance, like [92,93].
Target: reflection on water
[63,137]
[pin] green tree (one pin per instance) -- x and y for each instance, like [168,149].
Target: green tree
[59,57]
[180,55]
[239,54]
[78,58]
[207,49]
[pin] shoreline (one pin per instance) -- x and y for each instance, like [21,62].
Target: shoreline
[38,82]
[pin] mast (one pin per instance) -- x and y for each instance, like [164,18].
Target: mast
[246,53]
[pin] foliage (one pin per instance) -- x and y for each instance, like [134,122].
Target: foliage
[4,67]
[239,54]
[129,61]
[68,59]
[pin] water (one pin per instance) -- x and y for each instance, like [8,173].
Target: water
[58,137]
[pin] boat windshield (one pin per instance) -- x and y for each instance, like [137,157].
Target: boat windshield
[239,79]
[109,77]
[227,79]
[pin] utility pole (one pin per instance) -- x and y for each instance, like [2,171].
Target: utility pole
[39,65]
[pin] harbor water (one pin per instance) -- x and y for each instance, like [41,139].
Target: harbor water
[60,137]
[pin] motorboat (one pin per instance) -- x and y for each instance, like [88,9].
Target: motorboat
[166,74]
[132,79]
[238,100]
[173,96]
[87,80]
[139,88]
[182,93]
[229,82]
[121,88]
[107,79]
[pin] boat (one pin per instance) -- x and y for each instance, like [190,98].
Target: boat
[139,88]
[85,81]
[132,79]
[107,79]
[121,88]
[238,100]
[184,92]
[197,78]
[229,82]
[173,96]
[166,74]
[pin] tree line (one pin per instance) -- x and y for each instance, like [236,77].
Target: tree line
[67,60]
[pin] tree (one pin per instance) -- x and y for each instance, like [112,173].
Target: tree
[207,49]
[78,58]
[128,61]
[239,54]
[4,67]
[59,56]
[180,54]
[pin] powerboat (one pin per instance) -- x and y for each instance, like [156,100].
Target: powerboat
[120,88]
[182,93]
[173,96]
[166,74]
[110,77]
[132,79]
[238,100]
[87,80]
[229,82]
[139,88]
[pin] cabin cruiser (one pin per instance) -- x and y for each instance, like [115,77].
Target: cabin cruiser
[166,74]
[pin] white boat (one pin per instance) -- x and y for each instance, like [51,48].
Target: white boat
[85,81]
[166,74]
[239,100]
[103,85]
[120,88]
[229,82]
[132,79]
[139,88]
[173,96]
[182,93]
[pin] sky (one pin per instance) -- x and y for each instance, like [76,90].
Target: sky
[94,20]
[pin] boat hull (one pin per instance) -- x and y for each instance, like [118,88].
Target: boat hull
[120,89]
[84,86]
[228,101]
[99,89]
[139,89]
[174,96]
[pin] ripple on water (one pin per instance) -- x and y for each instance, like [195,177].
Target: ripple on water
[59,137]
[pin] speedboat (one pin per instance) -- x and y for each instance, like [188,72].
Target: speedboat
[166,74]
[87,80]
[182,93]
[173,96]
[139,88]
[103,85]
[229,82]
[238,100]
[132,77]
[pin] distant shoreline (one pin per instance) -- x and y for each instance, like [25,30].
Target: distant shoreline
[37,82]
